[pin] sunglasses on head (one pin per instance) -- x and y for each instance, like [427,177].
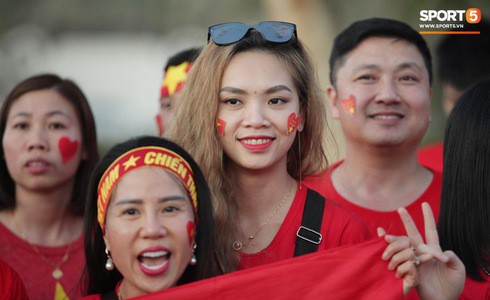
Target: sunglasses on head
[273,31]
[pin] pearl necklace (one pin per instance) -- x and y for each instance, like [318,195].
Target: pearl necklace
[238,245]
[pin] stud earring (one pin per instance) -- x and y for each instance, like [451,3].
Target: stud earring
[109,265]
[193,261]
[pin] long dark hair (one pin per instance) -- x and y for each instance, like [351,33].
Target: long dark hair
[465,200]
[97,278]
[74,95]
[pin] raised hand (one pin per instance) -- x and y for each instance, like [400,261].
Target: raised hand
[401,257]
[441,274]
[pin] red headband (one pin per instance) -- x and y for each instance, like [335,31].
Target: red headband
[150,156]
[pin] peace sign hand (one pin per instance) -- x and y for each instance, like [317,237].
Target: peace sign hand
[401,257]
[441,274]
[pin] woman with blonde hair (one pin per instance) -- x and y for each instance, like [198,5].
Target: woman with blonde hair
[253,116]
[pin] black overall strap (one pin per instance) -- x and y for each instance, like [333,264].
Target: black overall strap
[308,235]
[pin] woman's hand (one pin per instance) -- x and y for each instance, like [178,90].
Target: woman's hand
[402,258]
[441,274]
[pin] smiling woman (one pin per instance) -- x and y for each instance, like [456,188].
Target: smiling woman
[253,102]
[149,223]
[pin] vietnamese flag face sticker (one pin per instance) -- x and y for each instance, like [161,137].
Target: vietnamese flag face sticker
[293,122]
[191,231]
[174,79]
[349,104]
[68,148]
[220,124]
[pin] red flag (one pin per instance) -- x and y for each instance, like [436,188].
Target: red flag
[220,123]
[354,272]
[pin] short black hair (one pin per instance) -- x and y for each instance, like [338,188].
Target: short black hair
[465,204]
[463,60]
[358,31]
[189,55]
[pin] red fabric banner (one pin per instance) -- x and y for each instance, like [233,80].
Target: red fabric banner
[354,272]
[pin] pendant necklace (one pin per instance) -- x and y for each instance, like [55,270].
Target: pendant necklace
[238,245]
[57,273]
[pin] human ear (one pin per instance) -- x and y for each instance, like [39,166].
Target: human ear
[107,244]
[333,102]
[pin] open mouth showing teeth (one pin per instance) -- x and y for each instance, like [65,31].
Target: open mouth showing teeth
[256,141]
[154,260]
[36,164]
[387,117]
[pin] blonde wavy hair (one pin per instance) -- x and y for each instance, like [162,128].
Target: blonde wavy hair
[194,126]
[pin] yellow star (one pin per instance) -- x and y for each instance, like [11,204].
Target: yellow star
[59,293]
[174,76]
[131,162]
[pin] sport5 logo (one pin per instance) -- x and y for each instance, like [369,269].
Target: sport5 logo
[471,15]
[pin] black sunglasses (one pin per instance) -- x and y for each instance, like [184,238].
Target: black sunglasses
[273,31]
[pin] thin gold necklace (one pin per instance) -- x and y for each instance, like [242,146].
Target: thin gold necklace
[57,273]
[238,245]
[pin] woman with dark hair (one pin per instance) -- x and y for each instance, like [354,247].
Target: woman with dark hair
[149,223]
[465,200]
[48,151]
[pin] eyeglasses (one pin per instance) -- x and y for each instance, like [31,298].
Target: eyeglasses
[273,31]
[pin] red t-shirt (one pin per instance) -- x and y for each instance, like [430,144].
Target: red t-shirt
[432,156]
[389,220]
[11,286]
[339,228]
[476,289]
[36,273]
